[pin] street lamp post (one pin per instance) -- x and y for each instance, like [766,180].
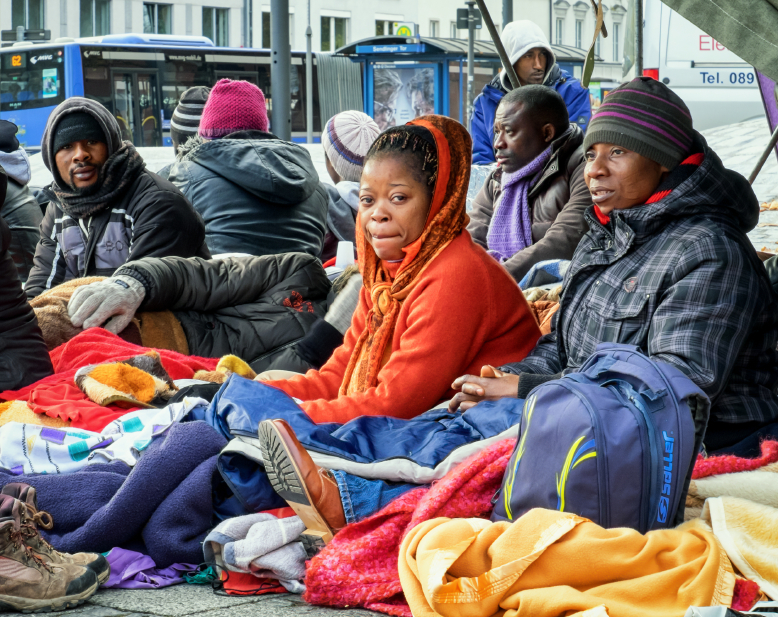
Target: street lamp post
[280,68]
[470,59]
[309,79]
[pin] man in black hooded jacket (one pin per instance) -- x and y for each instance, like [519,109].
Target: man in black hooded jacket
[24,358]
[105,208]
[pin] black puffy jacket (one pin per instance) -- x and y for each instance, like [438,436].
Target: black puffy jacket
[256,193]
[152,219]
[251,307]
[24,358]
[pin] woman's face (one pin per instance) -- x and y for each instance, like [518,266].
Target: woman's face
[619,178]
[393,205]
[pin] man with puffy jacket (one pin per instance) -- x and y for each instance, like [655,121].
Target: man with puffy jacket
[24,358]
[105,208]
[20,209]
[534,61]
[258,194]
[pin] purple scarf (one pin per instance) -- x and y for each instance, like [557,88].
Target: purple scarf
[511,228]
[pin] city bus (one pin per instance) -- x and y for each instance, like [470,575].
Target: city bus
[138,77]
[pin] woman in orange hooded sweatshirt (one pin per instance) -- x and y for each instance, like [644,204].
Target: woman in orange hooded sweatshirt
[434,305]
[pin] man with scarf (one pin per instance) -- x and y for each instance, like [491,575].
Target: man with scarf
[531,208]
[105,208]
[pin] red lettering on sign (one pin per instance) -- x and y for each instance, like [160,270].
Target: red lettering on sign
[708,43]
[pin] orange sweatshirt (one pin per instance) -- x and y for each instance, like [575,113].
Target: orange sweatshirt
[464,312]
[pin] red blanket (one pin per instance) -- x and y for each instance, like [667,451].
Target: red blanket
[57,395]
[359,566]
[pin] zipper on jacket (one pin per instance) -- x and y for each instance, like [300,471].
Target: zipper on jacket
[275,350]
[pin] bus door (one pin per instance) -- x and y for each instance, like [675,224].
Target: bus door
[137,106]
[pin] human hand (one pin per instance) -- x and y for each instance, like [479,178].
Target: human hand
[493,384]
[110,303]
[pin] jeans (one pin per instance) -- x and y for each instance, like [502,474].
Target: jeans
[361,497]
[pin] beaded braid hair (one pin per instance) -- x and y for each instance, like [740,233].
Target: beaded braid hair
[413,142]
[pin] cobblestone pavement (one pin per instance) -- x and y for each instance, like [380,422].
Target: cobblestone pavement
[183,600]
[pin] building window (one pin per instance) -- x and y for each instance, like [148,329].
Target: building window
[454,30]
[579,33]
[597,45]
[334,33]
[560,28]
[156,18]
[616,36]
[434,28]
[27,13]
[383,27]
[215,25]
[94,17]
[265,42]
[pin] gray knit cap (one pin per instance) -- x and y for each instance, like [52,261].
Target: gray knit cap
[644,116]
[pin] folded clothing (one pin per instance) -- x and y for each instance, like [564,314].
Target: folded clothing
[57,396]
[137,381]
[260,544]
[134,570]
[31,448]
[541,566]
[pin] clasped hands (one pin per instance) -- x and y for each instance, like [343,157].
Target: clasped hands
[493,384]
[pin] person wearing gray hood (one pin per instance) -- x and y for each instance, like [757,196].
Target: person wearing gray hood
[105,208]
[20,209]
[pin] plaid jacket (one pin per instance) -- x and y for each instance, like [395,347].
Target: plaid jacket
[680,279]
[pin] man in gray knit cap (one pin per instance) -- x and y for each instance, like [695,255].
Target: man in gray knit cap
[666,265]
[186,121]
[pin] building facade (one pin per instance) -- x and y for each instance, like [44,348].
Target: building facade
[334,23]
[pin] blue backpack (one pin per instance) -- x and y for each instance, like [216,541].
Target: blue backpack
[614,442]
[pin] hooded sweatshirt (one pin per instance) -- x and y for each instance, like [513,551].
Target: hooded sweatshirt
[430,331]
[134,214]
[519,37]
[679,278]
[256,193]
[20,210]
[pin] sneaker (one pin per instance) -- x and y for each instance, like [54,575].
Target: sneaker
[33,519]
[310,490]
[29,583]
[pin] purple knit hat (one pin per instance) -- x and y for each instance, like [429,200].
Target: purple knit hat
[233,106]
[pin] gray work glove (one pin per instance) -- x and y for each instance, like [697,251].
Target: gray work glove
[110,303]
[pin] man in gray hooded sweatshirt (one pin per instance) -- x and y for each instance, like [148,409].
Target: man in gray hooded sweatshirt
[105,208]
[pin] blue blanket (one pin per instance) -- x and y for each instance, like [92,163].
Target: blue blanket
[419,450]
[162,507]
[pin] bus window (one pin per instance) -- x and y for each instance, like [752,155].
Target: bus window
[180,72]
[29,80]
[135,99]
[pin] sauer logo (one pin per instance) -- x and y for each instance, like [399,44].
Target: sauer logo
[664,500]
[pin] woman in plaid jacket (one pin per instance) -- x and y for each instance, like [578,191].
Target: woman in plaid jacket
[666,265]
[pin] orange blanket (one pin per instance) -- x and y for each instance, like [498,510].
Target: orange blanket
[548,564]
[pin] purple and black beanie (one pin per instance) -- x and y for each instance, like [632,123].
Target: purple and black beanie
[644,116]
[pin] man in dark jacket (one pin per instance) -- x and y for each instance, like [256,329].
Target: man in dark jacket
[257,194]
[666,266]
[535,63]
[252,307]
[24,358]
[104,207]
[531,208]
[20,208]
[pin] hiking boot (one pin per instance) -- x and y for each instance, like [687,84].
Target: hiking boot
[310,490]
[33,519]
[29,583]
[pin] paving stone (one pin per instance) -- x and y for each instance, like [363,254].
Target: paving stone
[175,601]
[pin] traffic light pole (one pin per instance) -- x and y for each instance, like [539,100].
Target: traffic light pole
[309,79]
[280,69]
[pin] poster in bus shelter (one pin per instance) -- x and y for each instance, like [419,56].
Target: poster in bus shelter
[402,93]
